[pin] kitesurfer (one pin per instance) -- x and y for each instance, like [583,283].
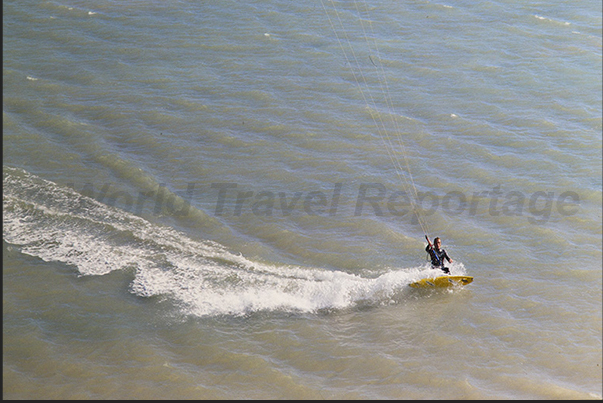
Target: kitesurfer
[437,254]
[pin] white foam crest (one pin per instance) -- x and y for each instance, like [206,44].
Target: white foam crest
[56,223]
[203,291]
[539,17]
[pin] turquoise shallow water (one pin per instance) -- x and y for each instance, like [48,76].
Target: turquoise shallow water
[216,200]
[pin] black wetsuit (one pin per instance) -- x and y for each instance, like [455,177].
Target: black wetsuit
[437,258]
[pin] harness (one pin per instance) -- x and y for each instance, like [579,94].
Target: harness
[434,257]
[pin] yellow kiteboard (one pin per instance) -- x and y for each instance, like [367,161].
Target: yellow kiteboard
[442,281]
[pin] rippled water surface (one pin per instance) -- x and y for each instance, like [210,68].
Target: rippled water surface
[229,199]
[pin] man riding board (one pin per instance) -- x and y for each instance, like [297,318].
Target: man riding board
[437,254]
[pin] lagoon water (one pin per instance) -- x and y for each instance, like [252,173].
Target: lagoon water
[229,199]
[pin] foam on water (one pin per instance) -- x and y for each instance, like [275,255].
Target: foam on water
[203,278]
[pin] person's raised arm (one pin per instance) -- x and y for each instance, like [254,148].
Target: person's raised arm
[429,242]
